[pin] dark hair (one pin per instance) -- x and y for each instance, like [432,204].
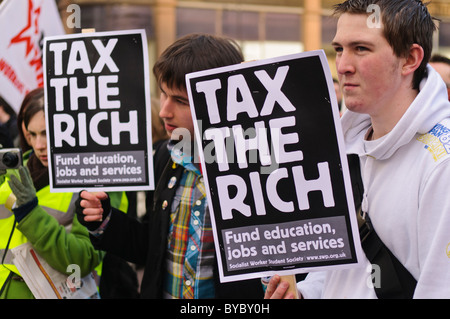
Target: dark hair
[405,22]
[437,58]
[8,108]
[31,104]
[195,52]
[35,104]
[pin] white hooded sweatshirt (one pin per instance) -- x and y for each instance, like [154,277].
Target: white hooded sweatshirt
[406,176]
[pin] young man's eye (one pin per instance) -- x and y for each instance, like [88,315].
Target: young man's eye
[184,102]
[361,49]
[338,49]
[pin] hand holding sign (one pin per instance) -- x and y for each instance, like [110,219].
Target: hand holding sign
[281,289]
[97,123]
[92,208]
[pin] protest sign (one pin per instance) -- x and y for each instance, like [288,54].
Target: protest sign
[274,164]
[98,112]
[23,26]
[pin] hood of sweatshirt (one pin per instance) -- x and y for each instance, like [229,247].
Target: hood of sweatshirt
[430,107]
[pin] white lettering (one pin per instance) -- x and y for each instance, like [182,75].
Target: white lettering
[105,55]
[57,49]
[274,94]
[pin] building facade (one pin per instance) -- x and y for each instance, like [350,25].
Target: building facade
[263,28]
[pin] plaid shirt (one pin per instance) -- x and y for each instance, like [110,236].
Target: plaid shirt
[190,250]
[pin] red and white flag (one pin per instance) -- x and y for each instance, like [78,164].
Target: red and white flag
[23,26]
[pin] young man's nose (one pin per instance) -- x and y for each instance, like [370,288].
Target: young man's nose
[345,64]
[166,110]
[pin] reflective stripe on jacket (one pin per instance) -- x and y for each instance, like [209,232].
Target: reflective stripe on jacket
[59,205]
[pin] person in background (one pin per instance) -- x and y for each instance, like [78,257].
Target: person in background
[33,97]
[176,242]
[8,124]
[398,124]
[338,91]
[442,65]
[46,220]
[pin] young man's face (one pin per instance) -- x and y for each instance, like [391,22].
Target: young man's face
[368,70]
[175,110]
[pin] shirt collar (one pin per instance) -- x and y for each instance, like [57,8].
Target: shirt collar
[179,157]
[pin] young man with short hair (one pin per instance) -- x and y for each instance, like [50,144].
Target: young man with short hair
[176,243]
[398,123]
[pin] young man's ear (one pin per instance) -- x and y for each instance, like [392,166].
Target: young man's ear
[413,60]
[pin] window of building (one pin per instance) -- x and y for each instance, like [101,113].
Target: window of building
[282,27]
[444,34]
[195,20]
[241,25]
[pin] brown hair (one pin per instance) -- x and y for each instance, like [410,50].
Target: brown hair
[406,22]
[437,58]
[34,103]
[31,104]
[195,52]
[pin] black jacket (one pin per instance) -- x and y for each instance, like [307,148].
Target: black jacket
[145,243]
